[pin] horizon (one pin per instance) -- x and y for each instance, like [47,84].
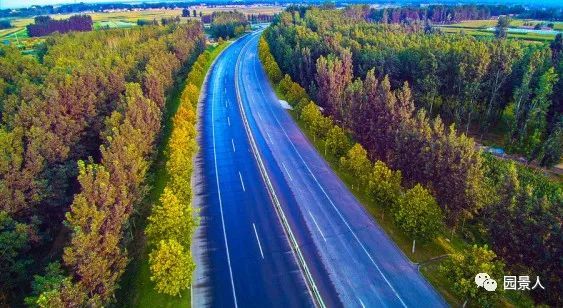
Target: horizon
[17,4]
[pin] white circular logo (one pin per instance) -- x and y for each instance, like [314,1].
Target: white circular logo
[480,278]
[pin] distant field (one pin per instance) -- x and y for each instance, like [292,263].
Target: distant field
[532,37]
[128,19]
[486,23]
[478,28]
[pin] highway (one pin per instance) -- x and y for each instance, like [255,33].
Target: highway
[278,227]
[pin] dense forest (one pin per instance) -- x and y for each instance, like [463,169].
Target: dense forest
[45,25]
[478,84]
[394,88]
[78,126]
[228,24]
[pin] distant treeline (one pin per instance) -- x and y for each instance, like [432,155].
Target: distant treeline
[227,24]
[444,14]
[45,25]
[5,24]
[254,18]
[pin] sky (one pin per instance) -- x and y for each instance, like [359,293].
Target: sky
[26,3]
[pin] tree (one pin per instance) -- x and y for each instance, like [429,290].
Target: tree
[502,24]
[42,285]
[171,267]
[418,214]
[357,163]
[185,13]
[384,185]
[556,47]
[553,147]
[14,244]
[461,268]
[337,142]
[333,76]
[228,24]
[94,254]
[194,13]
[171,219]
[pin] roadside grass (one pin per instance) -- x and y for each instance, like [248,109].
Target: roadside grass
[137,290]
[427,255]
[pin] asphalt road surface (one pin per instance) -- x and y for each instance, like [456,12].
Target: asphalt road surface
[278,227]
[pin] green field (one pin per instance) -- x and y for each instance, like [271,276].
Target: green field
[113,24]
[479,28]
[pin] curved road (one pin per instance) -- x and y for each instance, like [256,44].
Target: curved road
[278,226]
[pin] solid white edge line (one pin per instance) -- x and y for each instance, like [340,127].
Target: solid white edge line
[362,303]
[221,204]
[241,181]
[258,240]
[331,202]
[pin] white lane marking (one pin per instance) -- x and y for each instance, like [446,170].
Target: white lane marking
[287,171]
[226,103]
[362,303]
[221,208]
[260,116]
[269,138]
[329,199]
[241,181]
[258,240]
[229,120]
[316,224]
[233,143]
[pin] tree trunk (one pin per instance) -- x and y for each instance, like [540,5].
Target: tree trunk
[413,245]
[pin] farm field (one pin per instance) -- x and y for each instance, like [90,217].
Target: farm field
[126,19]
[480,28]
[485,23]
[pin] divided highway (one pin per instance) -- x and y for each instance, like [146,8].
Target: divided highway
[278,227]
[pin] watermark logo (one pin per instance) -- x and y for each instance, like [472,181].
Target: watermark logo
[485,281]
[509,283]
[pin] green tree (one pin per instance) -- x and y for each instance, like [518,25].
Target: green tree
[317,123]
[502,25]
[14,244]
[171,219]
[356,162]
[461,268]
[337,142]
[384,185]
[418,214]
[171,267]
[51,281]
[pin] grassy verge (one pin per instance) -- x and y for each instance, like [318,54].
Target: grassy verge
[137,290]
